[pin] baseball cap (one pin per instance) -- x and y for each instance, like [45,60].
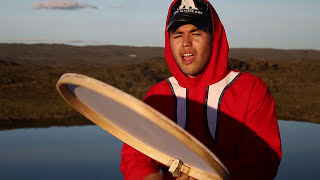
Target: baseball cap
[196,12]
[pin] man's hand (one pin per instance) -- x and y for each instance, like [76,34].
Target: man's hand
[185,177]
[154,176]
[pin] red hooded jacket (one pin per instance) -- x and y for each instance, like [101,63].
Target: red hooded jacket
[230,112]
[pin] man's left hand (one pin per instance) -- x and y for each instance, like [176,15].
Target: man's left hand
[185,177]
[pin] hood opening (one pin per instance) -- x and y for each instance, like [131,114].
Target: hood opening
[217,67]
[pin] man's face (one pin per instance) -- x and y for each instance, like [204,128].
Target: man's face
[191,49]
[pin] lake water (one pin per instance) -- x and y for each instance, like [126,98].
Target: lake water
[88,152]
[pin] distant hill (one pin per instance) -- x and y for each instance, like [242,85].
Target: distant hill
[28,74]
[67,55]
[274,54]
[64,55]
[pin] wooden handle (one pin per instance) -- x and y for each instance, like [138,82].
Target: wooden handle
[177,167]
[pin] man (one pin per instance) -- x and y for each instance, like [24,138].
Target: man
[230,112]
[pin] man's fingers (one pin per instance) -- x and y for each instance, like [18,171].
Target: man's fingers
[183,177]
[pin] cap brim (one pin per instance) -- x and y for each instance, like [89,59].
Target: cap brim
[200,23]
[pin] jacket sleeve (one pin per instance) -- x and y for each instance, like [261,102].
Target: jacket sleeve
[259,152]
[135,165]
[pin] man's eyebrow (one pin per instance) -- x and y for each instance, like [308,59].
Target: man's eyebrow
[178,32]
[195,30]
[191,31]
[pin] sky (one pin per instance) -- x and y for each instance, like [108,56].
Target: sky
[281,24]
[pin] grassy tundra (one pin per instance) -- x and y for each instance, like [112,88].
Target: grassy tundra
[28,74]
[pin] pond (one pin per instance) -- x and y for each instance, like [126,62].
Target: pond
[88,152]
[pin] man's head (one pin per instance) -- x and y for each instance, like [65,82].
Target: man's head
[190,28]
[191,49]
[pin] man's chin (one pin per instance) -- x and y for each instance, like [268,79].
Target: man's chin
[189,73]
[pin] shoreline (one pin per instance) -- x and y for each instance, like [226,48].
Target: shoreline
[73,121]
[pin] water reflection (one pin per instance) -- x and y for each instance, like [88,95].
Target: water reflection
[301,147]
[88,152]
[85,152]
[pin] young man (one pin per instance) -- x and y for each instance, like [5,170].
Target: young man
[230,112]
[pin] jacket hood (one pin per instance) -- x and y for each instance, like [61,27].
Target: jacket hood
[217,67]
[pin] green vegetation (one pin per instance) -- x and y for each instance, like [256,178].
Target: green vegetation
[28,94]
[28,97]
[295,86]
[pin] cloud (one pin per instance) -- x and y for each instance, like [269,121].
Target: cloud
[23,40]
[57,41]
[116,7]
[61,4]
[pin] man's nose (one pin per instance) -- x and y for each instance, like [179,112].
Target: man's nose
[186,41]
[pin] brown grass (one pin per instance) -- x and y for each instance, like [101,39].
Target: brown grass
[28,97]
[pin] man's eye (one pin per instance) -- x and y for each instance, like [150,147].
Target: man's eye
[177,36]
[196,34]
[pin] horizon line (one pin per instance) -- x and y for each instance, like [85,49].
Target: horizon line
[106,44]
